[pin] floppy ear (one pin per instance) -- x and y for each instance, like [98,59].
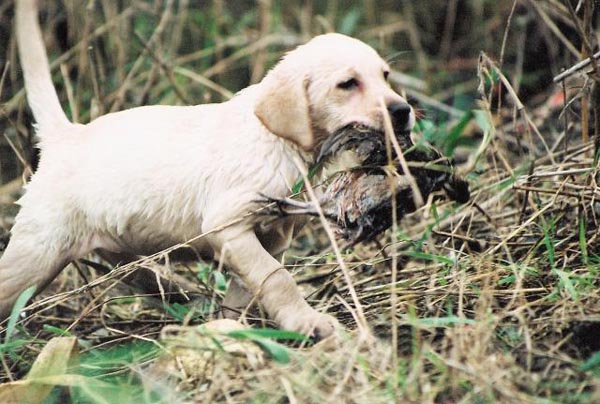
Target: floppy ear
[283,108]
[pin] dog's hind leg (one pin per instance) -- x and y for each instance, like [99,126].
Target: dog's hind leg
[237,299]
[33,257]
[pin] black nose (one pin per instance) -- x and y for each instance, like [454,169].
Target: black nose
[400,113]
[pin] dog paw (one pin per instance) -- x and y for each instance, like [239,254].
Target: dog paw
[312,323]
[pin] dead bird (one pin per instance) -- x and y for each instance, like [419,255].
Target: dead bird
[358,184]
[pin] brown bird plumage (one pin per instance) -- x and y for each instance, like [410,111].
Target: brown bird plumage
[356,194]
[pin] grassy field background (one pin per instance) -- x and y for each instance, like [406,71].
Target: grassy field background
[493,301]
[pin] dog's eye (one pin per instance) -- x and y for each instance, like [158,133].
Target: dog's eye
[348,84]
[386,75]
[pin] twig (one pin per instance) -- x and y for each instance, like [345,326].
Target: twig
[164,19]
[517,102]
[3,76]
[70,94]
[362,323]
[13,103]
[446,45]
[526,196]
[427,100]
[168,70]
[505,37]
[95,86]
[552,26]
[260,57]
[389,131]
[583,31]
[225,93]
[576,67]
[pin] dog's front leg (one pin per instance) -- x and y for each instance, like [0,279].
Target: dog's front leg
[271,283]
[276,240]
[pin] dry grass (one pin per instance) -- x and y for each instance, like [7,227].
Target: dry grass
[495,301]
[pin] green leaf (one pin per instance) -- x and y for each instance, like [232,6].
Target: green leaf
[548,229]
[300,184]
[436,214]
[567,283]
[268,333]
[13,345]
[593,364]
[278,352]
[262,337]
[424,125]
[220,281]
[507,280]
[441,321]
[177,311]
[350,22]
[483,120]
[203,272]
[451,141]
[582,239]
[430,257]
[56,330]
[14,315]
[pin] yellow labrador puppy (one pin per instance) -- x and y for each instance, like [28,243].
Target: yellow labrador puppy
[141,180]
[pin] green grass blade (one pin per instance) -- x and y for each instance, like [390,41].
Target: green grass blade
[567,283]
[263,337]
[582,239]
[591,364]
[14,315]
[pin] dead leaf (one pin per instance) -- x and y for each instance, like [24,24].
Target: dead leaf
[47,371]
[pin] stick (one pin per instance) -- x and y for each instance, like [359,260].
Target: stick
[576,67]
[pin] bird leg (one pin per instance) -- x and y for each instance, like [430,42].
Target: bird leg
[288,206]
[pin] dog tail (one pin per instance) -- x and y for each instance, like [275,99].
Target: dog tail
[41,94]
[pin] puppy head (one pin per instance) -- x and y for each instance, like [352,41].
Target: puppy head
[328,83]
